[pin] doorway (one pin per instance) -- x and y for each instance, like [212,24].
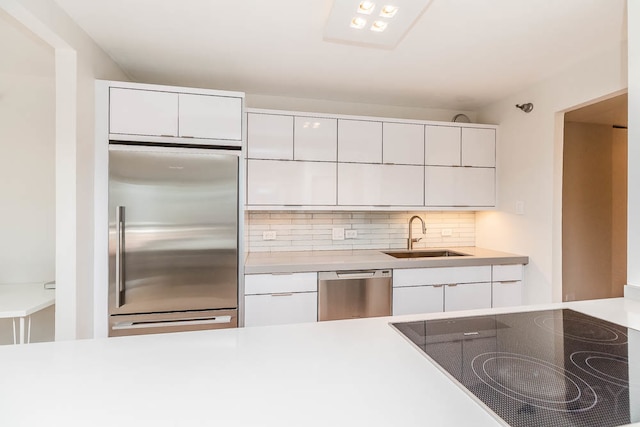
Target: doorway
[594,201]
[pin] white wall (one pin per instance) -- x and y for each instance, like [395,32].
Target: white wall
[27,166]
[529,155]
[352,108]
[78,62]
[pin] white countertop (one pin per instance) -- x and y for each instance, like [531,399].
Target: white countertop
[294,262]
[342,373]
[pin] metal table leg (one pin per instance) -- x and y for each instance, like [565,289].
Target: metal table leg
[22,330]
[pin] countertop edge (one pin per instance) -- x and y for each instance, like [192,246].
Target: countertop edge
[318,261]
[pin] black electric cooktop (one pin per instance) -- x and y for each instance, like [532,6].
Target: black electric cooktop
[540,368]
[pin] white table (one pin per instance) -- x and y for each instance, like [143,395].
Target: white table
[20,301]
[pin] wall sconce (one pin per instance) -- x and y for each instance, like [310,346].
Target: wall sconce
[527,108]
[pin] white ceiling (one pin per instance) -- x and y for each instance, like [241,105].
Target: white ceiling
[460,54]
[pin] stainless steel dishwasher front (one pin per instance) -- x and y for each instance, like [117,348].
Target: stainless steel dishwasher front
[354,294]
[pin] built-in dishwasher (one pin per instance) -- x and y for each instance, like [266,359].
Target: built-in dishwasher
[354,294]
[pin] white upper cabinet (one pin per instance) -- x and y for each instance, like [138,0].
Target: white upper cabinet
[315,138]
[380,185]
[269,136]
[210,117]
[143,112]
[173,114]
[478,147]
[359,141]
[459,187]
[442,145]
[402,143]
[275,182]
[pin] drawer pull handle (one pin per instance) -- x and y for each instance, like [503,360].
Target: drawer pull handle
[438,286]
[283,294]
[451,285]
[509,282]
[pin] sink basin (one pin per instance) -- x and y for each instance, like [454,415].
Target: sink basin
[424,254]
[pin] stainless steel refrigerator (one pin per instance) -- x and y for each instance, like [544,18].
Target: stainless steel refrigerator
[173,239]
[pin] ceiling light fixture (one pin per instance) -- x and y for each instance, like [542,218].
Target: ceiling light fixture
[527,108]
[379,26]
[366,7]
[388,11]
[358,23]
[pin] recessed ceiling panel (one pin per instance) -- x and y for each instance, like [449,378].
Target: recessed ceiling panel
[373,23]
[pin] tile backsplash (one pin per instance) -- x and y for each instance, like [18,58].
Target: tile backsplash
[312,231]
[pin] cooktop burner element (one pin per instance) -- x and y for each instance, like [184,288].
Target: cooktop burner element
[581,329]
[533,382]
[541,368]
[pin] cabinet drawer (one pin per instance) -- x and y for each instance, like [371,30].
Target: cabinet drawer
[441,275]
[507,272]
[279,309]
[277,283]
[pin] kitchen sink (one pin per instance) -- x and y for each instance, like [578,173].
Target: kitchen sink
[424,254]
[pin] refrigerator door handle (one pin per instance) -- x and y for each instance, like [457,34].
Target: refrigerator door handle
[161,324]
[120,221]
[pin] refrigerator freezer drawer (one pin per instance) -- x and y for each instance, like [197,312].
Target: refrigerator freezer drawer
[156,323]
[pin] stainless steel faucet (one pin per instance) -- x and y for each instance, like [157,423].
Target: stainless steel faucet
[411,240]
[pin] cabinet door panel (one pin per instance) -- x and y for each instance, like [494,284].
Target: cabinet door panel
[467,296]
[211,117]
[371,185]
[359,141]
[458,186]
[440,184]
[273,182]
[315,139]
[402,143]
[269,136]
[417,299]
[507,294]
[442,145]
[478,147]
[279,309]
[143,112]
[476,187]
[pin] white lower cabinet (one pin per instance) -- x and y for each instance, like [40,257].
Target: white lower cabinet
[418,299]
[467,296]
[428,290]
[507,285]
[277,299]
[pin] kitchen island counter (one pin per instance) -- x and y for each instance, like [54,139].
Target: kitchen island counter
[353,372]
[303,261]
